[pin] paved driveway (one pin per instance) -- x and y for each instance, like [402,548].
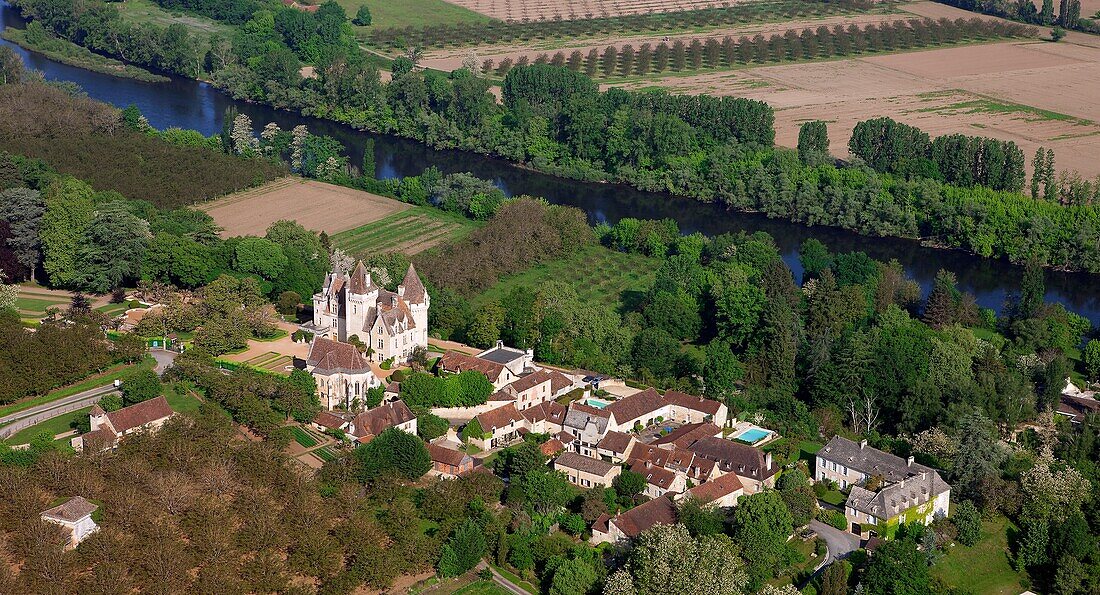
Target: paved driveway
[841,543]
[164,360]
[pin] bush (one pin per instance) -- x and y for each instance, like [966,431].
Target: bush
[833,518]
[140,385]
[968,522]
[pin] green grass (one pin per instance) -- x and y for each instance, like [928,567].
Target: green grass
[834,497]
[91,382]
[113,310]
[55,426]
[482,588]
[37,305]
[402,231]
[145,11]
[325,454]
[180,399]
[416,13]
[984,568]
[984,105]
[522,584]
[302,437]
[598,274]
[67,52]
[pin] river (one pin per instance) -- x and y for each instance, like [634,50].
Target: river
[195,105]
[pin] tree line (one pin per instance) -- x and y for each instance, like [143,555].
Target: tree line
[809,44]
[492,32]
[1068,15]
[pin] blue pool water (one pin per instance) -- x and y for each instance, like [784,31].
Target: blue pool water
[596,404]
[753,435]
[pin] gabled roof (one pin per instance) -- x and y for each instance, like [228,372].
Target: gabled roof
[705,406]
[617,442]
[525,383]
[330,420]
[658,511]
[868,459]
[717,488]
[650,453]
[360,282]
[71,510]
[140,414]
[552,447]
[896,498]
[412,288]
[454,361]
[1078,407]
[686,434]
[635,406]
[732,457]
[328,356]
[579,416]
[383,417]
[500,417]
[547,411]
[448,456]
[654,475]
[579,462]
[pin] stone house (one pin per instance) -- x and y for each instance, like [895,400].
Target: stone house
[108,428]
[721,492]
[545,418]
[448,462]
[659,480]
[371,423]
[615,446]
[586,472]
[499,427]
[753,467]
[75,517]
[626,526]
[588,425]
[342,374]
[454,362]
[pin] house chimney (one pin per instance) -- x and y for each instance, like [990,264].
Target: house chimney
[862,444]
[768,460]
[500,343]
[910,461]
[648,464]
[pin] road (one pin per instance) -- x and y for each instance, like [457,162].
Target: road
[40,413]
[840,545]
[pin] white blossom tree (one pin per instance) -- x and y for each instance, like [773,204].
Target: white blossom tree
[244,143]
[298,138]
[340,261]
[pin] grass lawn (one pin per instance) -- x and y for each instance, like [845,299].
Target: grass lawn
[794,573]
[508,574]
[29,305]
[55,426]
[113,310]
[145,11]
[834,497]
[409,231]
[598,274]
[984,568]
[482,588]
[302,437]
[180,399]
[91,382]
[417,13]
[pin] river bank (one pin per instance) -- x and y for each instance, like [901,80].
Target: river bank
[72,54]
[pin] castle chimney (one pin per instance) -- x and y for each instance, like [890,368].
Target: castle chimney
[401,290]
[910,461]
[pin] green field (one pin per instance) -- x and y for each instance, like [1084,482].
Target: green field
[180,399]
[984,568]
[599,274]
[416,13]
[271,361]
[145,11]
[37,306]
[410,231]
[55,426]
[325,454]
[482,588]
[302,437]
[89,383]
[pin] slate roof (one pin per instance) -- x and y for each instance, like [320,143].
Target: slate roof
[868,459]
[895,498]
[413,288]
[500,417]
[328,356]
[732,457]
[383,417]
[635,406]
[580,415]
[140,414]
[717,488]
[72,510]
[502,355]
[579,462]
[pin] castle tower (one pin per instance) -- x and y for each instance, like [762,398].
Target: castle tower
[416,296]
[361,296]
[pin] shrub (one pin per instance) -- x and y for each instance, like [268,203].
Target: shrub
[833,518]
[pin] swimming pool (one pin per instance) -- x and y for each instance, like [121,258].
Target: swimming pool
[598,404]
[753,435]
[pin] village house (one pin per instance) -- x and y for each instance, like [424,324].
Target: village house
[391,324]
[689,409]
[552,447]
[75,517]
[648,407]
[108,428]
[687,434]
[371,423]
[615,446]
[517,361]
[753,467]
[626,526]
[342,374]
[499,427]
[659,481]
[588,425]
[545,418]
[721,492]
[331,421]
[886,490]
[449,462]
[586,472]
[1076,408]
[454,362]
[535,388]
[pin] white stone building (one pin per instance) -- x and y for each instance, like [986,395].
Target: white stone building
[342,374]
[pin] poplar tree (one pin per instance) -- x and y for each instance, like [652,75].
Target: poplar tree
[1046,15]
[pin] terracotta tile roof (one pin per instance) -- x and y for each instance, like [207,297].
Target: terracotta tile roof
[413,288]
[548,411]
[383,417]
[635,406]
[72,510]
[500,417]
[448,456]
[551,447]
[140,414]
[617,442]
[600,526]
[502,396]
[654,475]
[530,381]
[564,437]
[717,488]
[327,356]
[647,452]
[329,420]
[454,361]
[97,410]
[658,511]
[744,460]
[559,381]
[679,399]
[579,462]
[394,387]
[686,434]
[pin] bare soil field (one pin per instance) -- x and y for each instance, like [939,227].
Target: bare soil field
[448,59]
[519,10]
[1033,93]
[316,205]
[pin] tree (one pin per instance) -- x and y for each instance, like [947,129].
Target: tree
[942,306]
[139,385]
[897,568]
[813,142]
[11,66]
[69,213]
[968,521]
[401,66]
[1032,290]
[463,551]
[1046,15]
[362,16]
[667,560]
[484,329]
[393,451]
[629,484]
[112,250]
[260,256]
[22,209]
[1092,359]
[700,519]
[573,577]
[472,429]
[288,303]
[834,581]
[547,491]
[761,524]
[430,426]
[721,370]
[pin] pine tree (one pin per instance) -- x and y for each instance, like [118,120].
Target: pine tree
[941,308]
[1037,167]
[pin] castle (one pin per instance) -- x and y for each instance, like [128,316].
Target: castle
[390,323]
